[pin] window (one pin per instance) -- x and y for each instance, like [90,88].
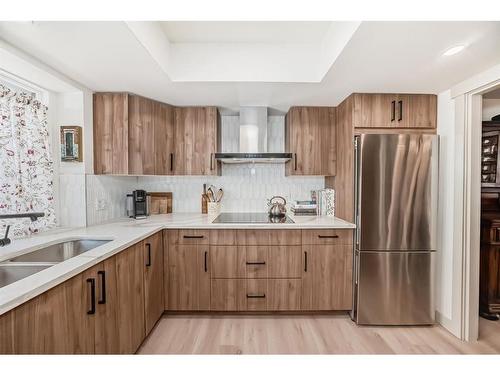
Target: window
[26,165]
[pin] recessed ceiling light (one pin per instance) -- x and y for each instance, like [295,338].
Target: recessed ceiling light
[453,50]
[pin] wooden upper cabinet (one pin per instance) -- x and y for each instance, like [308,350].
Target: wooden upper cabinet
[110,133]
[163,123]
[375,110]
[310,136]
[196,134]
[394,111]
[141,136]
[422,111]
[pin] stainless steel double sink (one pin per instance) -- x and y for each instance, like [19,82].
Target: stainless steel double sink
[25,265]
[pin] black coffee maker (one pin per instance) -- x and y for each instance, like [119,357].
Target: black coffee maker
[138,204]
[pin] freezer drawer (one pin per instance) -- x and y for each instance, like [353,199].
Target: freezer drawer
[395,288]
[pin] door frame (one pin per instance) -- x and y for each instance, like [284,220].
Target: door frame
[468,121]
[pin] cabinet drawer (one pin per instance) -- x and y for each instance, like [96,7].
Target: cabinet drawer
[256,294]
[327,237]
[239,295]
[284,262]
[239,261]
[228,295]
[256,262]
[224,237]
[253,237]
[189,237]
[284,294]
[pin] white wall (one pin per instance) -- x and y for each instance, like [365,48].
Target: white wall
[444,266]
[69,104]
[69,108]
[491,107]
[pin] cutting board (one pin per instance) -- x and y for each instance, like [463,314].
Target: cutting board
[161,203]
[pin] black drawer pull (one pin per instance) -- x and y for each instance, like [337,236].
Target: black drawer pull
[333,236]
[206,263]
[148,263]
[305,261]
[92,296]
[255,263]
[102,300]
[192,237]
[171,161]
[256,295]
[400,104]
[393,110]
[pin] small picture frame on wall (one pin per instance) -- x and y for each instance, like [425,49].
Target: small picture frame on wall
[71,143]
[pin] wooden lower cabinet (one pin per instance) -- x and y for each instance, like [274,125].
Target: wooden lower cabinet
[228,295]
[188,277]
[284,294]
[101,310]
[7,333]
[255,261]
[154,305]
[255,294]
[130,287]
[56,322]
[327,277]
[106,328]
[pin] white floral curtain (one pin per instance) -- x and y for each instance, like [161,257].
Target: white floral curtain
[26,167]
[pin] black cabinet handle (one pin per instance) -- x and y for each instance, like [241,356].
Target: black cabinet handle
[257,263]
[92,296]
[393,110]
[171,161]
[148,263]
[102,299]
[305,261]
[333,236]
[263,295]
[295,159]
[191,237]
[400,104]
[206,264]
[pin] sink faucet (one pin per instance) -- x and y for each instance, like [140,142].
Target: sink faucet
[32,215]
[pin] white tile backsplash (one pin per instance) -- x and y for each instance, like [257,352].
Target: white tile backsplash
[72,203]
[110,190]
[246,186]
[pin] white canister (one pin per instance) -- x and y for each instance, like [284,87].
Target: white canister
[213,209]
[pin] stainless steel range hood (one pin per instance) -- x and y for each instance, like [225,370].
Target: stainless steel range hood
[253,143]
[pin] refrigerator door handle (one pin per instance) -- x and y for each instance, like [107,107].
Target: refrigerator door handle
[357,189]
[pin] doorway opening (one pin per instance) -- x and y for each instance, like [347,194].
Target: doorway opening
[489,258]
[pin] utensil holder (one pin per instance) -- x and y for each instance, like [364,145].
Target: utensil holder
[213,208]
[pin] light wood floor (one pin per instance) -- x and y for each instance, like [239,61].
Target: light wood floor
[314,334]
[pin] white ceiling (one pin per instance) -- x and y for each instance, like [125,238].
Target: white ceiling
[245,32]
[376,57]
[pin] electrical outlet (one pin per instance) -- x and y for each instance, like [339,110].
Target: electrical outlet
[100,205]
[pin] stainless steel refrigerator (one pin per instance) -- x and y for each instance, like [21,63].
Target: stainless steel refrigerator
[396,179]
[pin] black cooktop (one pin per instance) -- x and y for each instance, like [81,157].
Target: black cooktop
[250,218]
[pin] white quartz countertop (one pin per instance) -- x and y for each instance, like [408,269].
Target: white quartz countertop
[122,233]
